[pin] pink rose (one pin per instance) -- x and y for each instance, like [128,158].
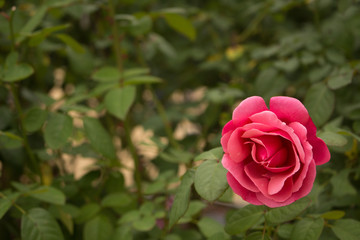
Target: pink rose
[271,155]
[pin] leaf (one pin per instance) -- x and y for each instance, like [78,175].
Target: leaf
[72,43]
[119,100]
[181,24]
[57,130]
[87,212]
[48,194]
[16,72]
[10,140]
[243,219]
[194,208]
[107,74]
[182,198]
[123,233]
[287,213]
[99,138]
[346,229]
[285,230]
[99,228]
[141,26]
[333,138]
[34,119]
[210,180]
[5,205]
[116,200]
[257,236]
[341,185]
[320,102]
[333,215]
[136,80]
[40,36]
[174,155]
[209,226]
[307,229]
[134,72]
[144,224]
[213,154]
[38,224]
[340,78]
[32,24]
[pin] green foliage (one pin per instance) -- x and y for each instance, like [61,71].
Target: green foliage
[105,104]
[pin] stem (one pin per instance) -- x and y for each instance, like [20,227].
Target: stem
[137,170]
[168,129]
[12,36]
[116,43]
[19,110]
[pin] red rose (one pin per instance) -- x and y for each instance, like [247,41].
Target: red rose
[271,155]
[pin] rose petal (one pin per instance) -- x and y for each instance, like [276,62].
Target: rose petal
[301,132]
[236,146]
[277,181]
[224,141]
[246,108]
[321,152]
[228,127]
[237,171]
[241,191]
[273,204]
[270,144]
[285,192]
[267,117]
[257,174]
[308,182]
[278,159]
[289,109]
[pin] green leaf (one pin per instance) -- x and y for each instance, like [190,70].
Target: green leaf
[5,205]
[209,226]
[307,229]
[123,233]
[243,219]
[144,224]
[333,215]
[48,194]
[119,100]
[107,74]
[194,208]
[176,156]
[182,198]
[10,140]
[287,213]
[136,80]
[32,24]
[99,138]
[213,154]
[181,24]
[38,224]
[333,138]
[340,78]
[57,130]
[285,230]
[99,228]
[341,184]
[210,180]
[257,236]
[116,200]
[72,43]
[346,229]
[16,72]
[134,72]
[40,36]
[141,26]
[87,212]
[320,102]
[34,119]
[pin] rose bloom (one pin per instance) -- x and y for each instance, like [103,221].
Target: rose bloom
[271,154]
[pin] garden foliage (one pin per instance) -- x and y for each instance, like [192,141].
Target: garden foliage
[142,89]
